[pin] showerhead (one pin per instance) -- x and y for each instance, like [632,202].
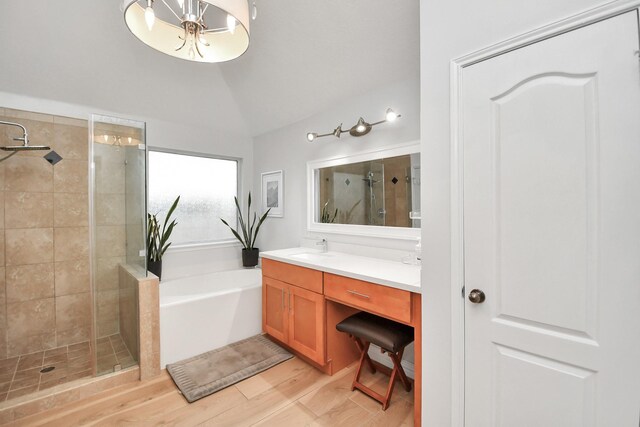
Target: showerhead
[25,148]
[368,178]
[24,138]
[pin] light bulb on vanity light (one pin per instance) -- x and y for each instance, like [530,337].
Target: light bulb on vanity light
[390,115]
[311,136]
[149,15]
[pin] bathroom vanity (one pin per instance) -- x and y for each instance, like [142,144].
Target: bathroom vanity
[305,293]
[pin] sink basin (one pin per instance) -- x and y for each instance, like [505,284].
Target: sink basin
[313,256]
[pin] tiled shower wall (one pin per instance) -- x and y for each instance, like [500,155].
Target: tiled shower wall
[45,299]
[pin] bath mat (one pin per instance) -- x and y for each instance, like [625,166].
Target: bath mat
[209,372]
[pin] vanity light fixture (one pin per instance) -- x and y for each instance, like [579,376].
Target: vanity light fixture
[361,128]
[194,30]
[117,140]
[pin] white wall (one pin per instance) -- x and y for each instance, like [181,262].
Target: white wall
[207,140]
[451,29]
[288,149]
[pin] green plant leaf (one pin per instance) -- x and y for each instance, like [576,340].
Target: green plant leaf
[248,227]
[157,238]
[258,227]
[235,233]
[166,247]
[243,227]
[251,228]
[166,235]
[171,209]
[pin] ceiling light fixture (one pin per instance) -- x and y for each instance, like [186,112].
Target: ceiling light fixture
[361,128]
[198,30]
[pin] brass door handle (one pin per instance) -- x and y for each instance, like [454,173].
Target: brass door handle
[476,296]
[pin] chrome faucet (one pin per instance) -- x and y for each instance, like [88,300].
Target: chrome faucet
[323,242]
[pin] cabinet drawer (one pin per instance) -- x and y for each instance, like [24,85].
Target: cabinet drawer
[293,274]
[377,299]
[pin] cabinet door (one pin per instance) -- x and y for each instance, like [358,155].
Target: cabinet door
[274,308]
[307,323]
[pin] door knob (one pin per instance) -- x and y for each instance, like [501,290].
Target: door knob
[476,296]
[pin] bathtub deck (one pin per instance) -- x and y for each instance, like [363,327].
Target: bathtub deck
[290,394]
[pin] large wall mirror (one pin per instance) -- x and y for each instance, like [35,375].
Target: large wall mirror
[375,193]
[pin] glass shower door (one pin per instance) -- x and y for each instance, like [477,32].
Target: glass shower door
[118,230]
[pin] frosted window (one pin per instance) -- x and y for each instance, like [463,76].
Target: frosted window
[207,187]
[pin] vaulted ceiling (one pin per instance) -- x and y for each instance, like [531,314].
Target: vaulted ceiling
[305,55]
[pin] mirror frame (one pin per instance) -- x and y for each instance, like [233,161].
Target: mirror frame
[403,233]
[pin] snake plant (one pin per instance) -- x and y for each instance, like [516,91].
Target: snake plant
[158,238]
[249,232]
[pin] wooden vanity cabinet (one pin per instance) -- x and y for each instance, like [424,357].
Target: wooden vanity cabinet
[381,300]
[275,314]
[294,313]
[301,306]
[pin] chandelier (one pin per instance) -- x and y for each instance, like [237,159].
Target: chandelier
[195,30]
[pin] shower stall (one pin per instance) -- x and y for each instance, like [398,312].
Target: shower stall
[72,204]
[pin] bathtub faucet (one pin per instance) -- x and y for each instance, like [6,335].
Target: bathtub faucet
[324,244]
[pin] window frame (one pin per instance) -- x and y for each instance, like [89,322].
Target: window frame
[186,247]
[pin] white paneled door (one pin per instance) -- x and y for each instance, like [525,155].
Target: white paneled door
[551,145]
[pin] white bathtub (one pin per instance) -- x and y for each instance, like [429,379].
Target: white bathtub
[202,313]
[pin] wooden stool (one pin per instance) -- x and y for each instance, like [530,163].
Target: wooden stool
[392,337]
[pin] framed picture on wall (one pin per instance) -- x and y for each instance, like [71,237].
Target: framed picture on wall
[273,193]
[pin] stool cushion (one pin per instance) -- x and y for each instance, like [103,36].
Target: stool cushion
[391,336]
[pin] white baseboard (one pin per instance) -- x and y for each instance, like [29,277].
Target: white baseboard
[383,359]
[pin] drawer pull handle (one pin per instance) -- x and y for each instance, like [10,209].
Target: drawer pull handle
[358,294]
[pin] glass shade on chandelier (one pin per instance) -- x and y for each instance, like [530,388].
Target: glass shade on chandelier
[194,30]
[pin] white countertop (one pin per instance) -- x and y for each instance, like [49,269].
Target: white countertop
[383,272]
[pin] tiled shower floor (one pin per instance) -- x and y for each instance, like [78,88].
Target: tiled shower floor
[113,354]
[24,374]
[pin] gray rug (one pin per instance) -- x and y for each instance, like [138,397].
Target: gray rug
[209,372]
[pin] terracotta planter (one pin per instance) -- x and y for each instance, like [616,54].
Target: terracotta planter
[155,267]
[250,257]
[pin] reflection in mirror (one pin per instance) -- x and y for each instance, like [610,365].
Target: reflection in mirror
[380,192]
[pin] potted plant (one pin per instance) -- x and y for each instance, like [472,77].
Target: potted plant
[158,239]
[247,234]
[326,217]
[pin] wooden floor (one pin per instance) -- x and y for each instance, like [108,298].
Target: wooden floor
[290,394]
